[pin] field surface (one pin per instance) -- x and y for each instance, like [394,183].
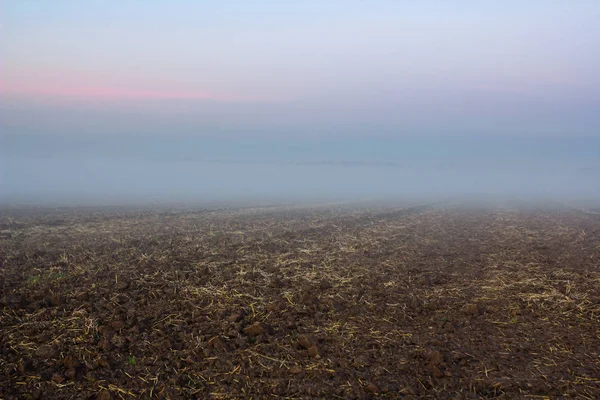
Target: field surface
[393,301]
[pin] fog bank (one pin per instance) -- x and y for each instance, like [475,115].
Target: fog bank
[38,169]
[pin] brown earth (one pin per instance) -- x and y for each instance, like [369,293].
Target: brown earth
[339,302]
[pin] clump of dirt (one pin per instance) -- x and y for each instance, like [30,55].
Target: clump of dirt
[441,301]
[254,330]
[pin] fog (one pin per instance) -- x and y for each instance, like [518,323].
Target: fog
[105,169]
[202,101]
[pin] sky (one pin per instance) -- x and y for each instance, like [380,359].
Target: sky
[310,68]
[186,99]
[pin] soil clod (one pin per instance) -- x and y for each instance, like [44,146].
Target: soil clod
[46,351]
[254,330]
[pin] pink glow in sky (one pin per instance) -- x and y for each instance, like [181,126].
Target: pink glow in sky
[111,93]
[321,67]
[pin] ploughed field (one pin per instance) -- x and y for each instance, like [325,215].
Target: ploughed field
[438,301]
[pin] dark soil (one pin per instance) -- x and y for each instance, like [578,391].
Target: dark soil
[420,302]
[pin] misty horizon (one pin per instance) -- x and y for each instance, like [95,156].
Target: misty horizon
[97,169]
[167,101]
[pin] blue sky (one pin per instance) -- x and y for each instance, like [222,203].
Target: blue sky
[272,68]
